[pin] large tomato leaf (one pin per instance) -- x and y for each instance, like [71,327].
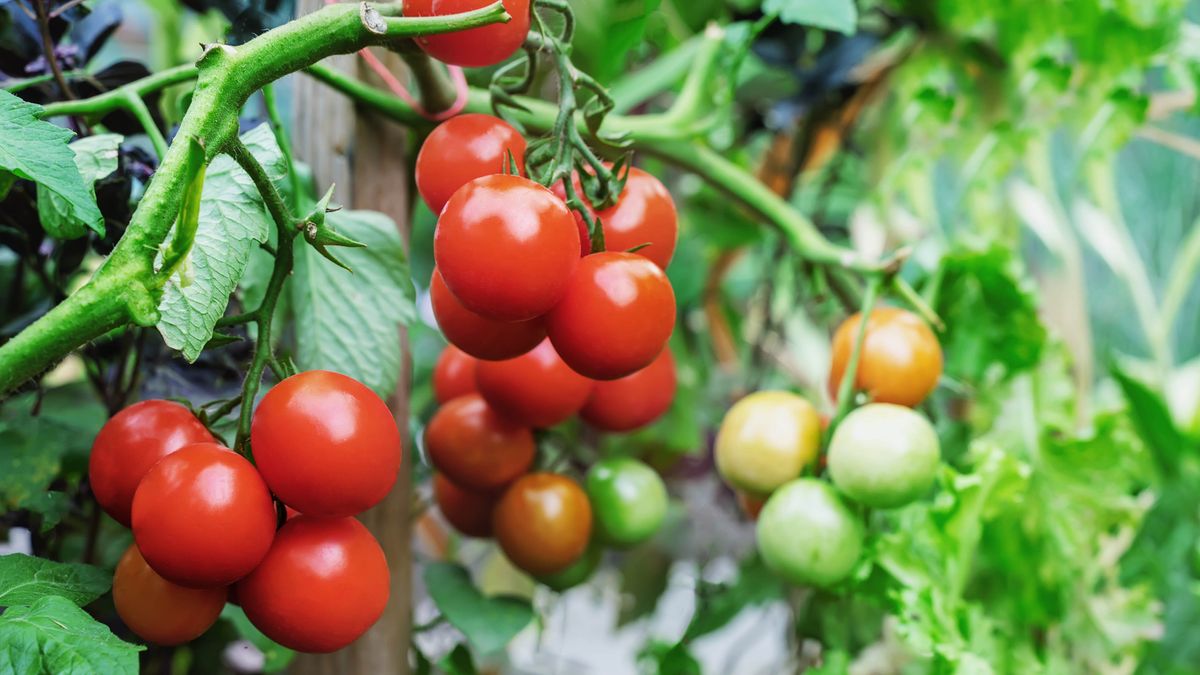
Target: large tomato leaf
[25,579]
[487,622]
[55,636]
[95,157]
[35,445]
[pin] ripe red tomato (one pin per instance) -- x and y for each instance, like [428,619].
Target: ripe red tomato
[130,443]
[323,584]
[157,610]
[506,247]
[476,47]
[475,447]
[326,444]
[462,149]
[900,361]
[482,338]
[644,214]
[585,237]
[635,400]
[616,316]
[454,374]
[536,389]
[543,523]
[202,516]
[470,512]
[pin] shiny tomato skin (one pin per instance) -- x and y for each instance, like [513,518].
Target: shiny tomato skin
[326,444]
[633,401]
[644,214]
[469,511]
[483,338]
[536,389]
[900,362]
[159,611]
[807,535]
[628,498]
[462,149]
[616,315]
[884,455]
[543,523]
[474,47]
[203,517]
[506,247]
[322,585]
[132,442]
[767,439]
[454,374]
[476,447]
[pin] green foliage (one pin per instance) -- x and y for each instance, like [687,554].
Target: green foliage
[95,157]
[36,445]
[54,636]
[487,622]
[275,656]
[608,31]
[838,15]
[24,579]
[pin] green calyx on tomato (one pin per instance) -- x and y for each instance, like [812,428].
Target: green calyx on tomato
[884,455]
[629,500]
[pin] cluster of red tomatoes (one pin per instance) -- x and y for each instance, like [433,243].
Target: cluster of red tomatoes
[542,329]
[206,523]
[882,455]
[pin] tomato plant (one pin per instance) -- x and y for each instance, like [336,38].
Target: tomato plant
[478,336]
[543,523]
[475,447]
[483,46]
[884,455]
[160,611]
[629,500]
[766,440]
[454,374]
[536,389]
[462,149]
[833,540]
[901,360]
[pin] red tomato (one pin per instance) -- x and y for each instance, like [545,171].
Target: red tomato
[454,374]
[616,316]
[468,511]
[635,400]
[158,610]
[482,338]
[323,584]
[462,149]
[585,237]
[900,361]
[202,516]
[536,389]
[326,444]
[543,523]
[475,47]
[644,214]
[130,443]
[475,447]
[506,247]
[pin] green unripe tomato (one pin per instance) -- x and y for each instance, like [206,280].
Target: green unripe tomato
[629,500]
[576,573]
[766,440]
[806,534]
[884,455]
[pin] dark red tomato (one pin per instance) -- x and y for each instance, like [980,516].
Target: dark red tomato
[506,247]
[158,610]
[644,214]
[543,523]
[130,443]
[536,389]
[482,338]
[635,400]
[470,512]
[462,149]
[323,584]
[475,447]
[616,316]
[202,516]
[454,374]
[585,237]
[901,360]
[476,47]
[326,444]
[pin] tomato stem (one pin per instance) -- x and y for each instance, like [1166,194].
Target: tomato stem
[845,397]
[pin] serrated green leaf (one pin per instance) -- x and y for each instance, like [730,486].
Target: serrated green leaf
[487,622]
[233,221]
[54,636]
[25,579]
[838,15]
[96,158]
[276,657]
[37,150]
[349,322]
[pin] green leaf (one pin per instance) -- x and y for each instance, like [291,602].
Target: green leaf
[96,158]
[36,150]
[349,322]
[664,658]
[607,33]
[487,622]
[838,15]
[55,636]
[52,506]
[24,579]
[644,575]
[717,605]
[1152,419]
[458,662]
[233,221]
[276,657]
[32,448]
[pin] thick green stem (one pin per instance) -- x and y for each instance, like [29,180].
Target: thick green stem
[433,84]
[137,107]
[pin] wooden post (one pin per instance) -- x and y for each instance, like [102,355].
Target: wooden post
[365,157]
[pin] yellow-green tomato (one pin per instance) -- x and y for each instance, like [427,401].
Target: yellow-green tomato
[576,573]
[884,455]
[806,534]
[766,440]
[629,500]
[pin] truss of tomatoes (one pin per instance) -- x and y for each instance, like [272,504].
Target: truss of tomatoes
[206,522]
